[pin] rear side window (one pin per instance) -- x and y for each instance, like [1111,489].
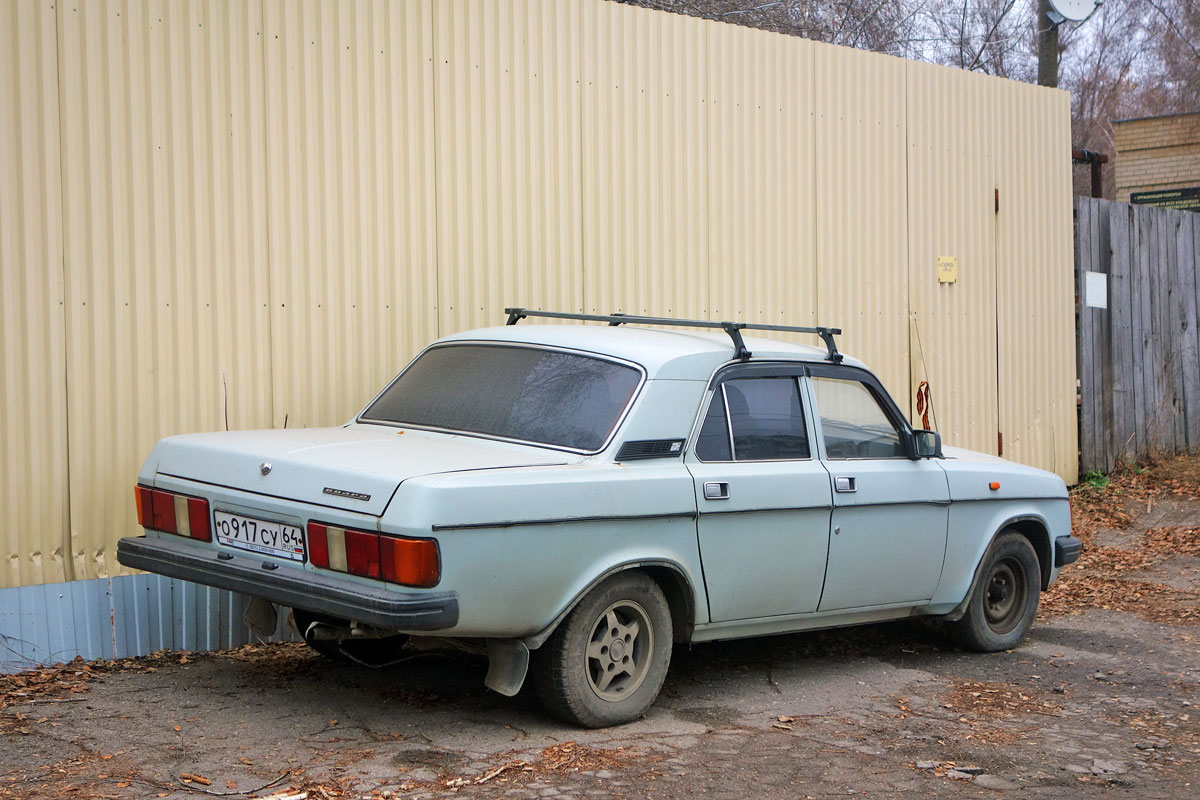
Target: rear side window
[523,393]
[765,422]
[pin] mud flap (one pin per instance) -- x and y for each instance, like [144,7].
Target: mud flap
[508,662]
[260,616]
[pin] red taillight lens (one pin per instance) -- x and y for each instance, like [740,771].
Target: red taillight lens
[162,517]
[198,519]
[318,545]
[412,562]
[173,513]
[362,553]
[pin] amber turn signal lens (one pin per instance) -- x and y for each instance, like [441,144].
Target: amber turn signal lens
[412,562]
[141,498]
[994,485]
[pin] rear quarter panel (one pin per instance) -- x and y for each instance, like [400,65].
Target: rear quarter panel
[519,545]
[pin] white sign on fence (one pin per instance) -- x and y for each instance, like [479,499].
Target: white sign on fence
[1095,290]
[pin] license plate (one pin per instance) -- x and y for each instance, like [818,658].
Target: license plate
[259,535]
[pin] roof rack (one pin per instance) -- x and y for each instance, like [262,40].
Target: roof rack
[734,329]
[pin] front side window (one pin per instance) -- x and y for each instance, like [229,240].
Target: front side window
[523,393]
[754,419]
[853,423]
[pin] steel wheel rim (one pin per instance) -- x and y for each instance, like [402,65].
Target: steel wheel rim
[1004,596]
[619,651]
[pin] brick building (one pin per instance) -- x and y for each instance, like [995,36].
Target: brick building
[1158,160]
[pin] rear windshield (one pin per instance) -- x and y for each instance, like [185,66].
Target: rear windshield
[523,393]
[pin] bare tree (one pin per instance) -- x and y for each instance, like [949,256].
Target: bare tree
[991,36]
[886,26]
[1173,85]
[1132,58]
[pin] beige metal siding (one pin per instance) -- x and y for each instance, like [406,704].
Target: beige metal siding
[858,165]
[645,169]
[508,151]
[33,431]
[951,207]
[219,213]
[1035,298]
[762,229]
[165,242]
[349,182]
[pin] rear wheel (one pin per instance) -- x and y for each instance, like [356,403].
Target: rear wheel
[607,661]
[1005,601]
[366,652]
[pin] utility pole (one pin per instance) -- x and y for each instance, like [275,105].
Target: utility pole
[1047,46]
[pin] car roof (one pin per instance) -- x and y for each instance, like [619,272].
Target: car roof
[665,354]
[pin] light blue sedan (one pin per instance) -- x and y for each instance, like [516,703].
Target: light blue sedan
[577,498]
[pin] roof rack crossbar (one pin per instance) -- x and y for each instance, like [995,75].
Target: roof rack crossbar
[734,329]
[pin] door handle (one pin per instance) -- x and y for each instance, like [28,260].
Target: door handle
[845,483]
[716,491]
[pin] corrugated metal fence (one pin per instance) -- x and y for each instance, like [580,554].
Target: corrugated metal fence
[130,615]
[219,214]
[1139,345]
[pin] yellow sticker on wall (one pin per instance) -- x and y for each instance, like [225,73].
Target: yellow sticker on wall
[947,269]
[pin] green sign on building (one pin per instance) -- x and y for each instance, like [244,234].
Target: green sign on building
[1180,199]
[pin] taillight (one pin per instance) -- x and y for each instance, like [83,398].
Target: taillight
[173,513]
[141,496]
[318,546]
[411,562]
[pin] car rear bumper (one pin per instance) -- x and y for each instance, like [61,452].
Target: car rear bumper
[291,586]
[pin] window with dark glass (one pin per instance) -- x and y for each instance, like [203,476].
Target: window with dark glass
[853,423]
[523,393]
[713,443]
[765,422]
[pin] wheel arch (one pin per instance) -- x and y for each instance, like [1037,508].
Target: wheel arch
[671,579]
[1036,531]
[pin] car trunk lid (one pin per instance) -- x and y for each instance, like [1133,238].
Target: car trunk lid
[356,468]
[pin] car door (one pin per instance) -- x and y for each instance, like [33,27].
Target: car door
[888,528]
[764,499]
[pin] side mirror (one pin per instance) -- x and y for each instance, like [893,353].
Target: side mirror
[927,444]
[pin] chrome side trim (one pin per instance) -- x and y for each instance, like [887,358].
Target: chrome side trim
[466,526]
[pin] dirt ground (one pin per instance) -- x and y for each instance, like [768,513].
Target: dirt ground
[1102,700]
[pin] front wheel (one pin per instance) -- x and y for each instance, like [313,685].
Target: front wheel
[1005,601]
[607,661]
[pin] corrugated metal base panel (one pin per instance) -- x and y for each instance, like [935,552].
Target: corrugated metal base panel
[130,615]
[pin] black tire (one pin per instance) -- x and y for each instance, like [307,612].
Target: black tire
[1005,600]
[607,661]
[374,653]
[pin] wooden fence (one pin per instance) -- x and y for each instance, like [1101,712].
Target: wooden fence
[1139,357]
